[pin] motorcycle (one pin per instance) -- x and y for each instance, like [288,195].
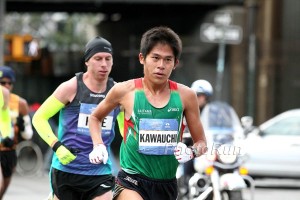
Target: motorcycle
[219,174]
[224,177]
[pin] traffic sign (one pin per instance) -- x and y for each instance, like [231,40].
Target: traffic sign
[217,33]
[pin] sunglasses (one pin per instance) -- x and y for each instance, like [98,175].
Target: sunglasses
[5,82]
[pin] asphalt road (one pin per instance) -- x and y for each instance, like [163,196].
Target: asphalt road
[37,188]
[28,188]
[275,189]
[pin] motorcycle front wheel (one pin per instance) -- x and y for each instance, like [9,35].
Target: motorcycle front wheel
[232,195]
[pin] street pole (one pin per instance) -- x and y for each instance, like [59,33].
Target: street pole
[2,15]
[223,33]
[252,4]
[220,70]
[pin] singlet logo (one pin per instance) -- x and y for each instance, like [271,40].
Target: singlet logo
[97,95]
[144,111]
[173,109]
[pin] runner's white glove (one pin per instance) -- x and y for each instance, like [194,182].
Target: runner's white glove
[183,153]
[99,154]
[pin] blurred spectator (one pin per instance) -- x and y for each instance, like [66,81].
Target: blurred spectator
[19,112]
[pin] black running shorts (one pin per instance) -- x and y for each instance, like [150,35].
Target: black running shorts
[148,188]
[80,187]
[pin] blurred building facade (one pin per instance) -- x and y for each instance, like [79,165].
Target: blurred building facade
[261,74]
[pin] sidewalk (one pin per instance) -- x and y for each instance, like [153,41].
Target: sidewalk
[28,187]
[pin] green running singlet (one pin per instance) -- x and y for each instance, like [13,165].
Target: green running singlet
[151,134]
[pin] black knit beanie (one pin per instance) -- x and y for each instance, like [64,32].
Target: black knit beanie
[96,45]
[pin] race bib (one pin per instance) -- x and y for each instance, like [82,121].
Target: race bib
[83,119]
[157,136]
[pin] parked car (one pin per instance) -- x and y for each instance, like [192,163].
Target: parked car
[273,148]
